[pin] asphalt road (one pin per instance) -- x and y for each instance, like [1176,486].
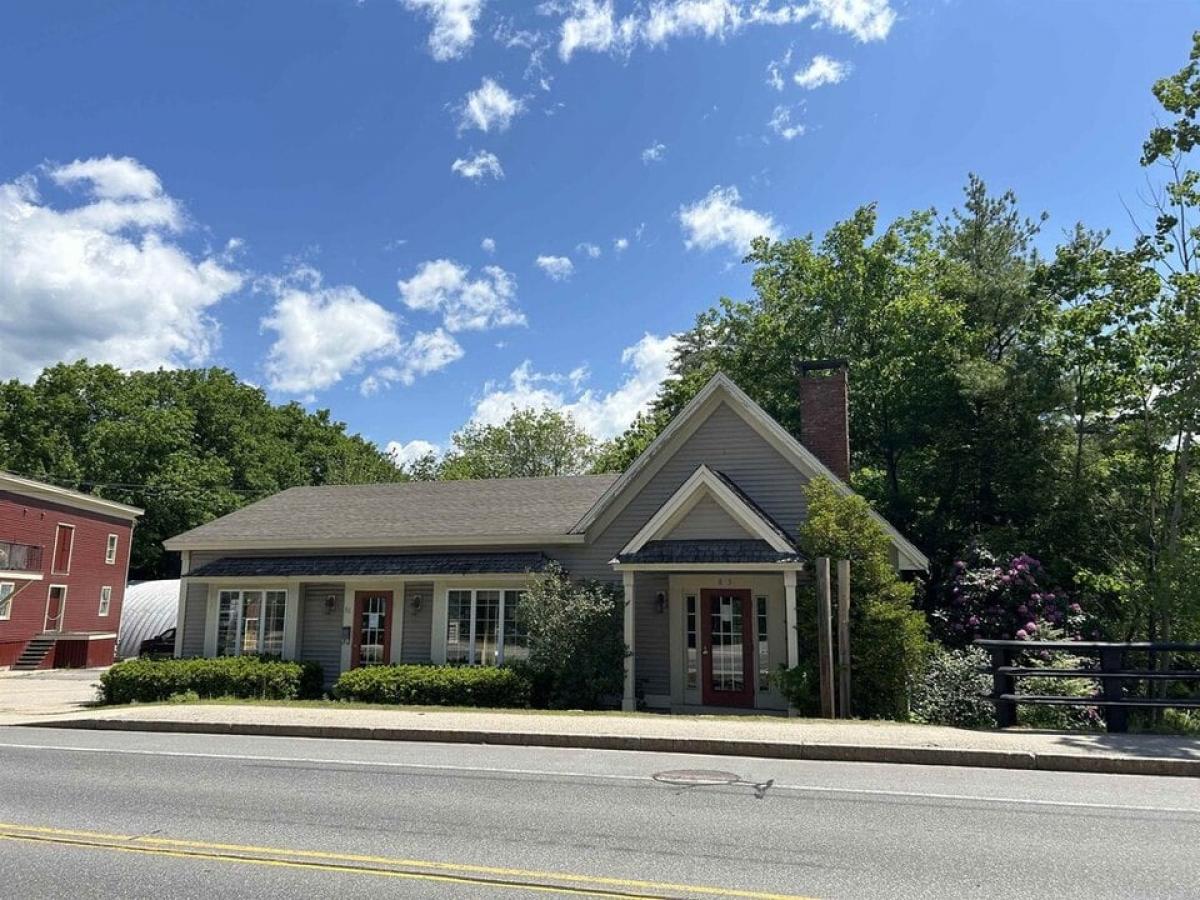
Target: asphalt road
[111,814]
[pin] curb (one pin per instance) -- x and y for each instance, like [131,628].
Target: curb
[824,752]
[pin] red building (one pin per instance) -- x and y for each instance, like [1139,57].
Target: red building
[64,560]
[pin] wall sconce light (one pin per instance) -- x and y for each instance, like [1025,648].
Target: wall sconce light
[660,601]
[417,601]
[330,604]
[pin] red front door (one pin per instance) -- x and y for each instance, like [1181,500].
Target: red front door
[726,648]
[371,639]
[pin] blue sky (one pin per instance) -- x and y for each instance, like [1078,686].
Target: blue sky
[419,212]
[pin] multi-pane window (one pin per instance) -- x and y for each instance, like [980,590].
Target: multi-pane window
[691,645]
[110,550]
[7,588]
[250,622]
[105,600]
[764,654]
[482,628]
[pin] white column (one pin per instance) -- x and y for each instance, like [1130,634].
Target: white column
[291,620]
[789,617]
[629,702]
[437,648]
[185,563]
[210,621]
[347,623]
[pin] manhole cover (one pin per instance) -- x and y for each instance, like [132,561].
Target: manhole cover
[689,777]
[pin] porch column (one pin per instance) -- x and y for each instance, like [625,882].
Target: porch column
[789,616]
[629,702]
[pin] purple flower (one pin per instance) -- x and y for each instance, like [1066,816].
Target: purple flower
[1031,627]
[973,621]
[1049,597]
[1076,608]
[1036,598]
[1022,634]
[960,565]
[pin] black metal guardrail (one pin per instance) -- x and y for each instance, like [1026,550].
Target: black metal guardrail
[16,557]
[1111,671]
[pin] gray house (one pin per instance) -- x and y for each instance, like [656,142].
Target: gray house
[700,530]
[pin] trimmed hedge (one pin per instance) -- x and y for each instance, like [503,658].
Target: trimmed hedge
[414,685]
[247,677]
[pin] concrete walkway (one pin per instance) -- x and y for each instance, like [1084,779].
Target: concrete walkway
[884,742]
[47,692]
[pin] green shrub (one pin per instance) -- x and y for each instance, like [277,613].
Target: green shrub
[246,677]
[576,640]
[410,685]
[1059,718]
[888,636]
[953,690]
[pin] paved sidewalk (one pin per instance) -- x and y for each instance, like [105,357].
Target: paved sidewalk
[884,742]
[46,692]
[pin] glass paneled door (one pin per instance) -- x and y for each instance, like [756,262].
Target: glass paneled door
[372,635]
[726,651]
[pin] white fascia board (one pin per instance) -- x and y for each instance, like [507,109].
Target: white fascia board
[27,487]
[705,481]
[707,567]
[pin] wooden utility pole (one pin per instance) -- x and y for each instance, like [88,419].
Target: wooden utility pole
[825,637]
[843,636]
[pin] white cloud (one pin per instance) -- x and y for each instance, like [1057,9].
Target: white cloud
[775,70]
[781,123]
[324,334]
[426,353]
[489,107]
[654,153]
[592,250]
[410,452]
[595,26]
[488,245]
[478,167]
[104,278]
[621,244]
[719,219]
[821,71]
[443,286]
[867,20]
[559,268]
[602,414]
[453,25]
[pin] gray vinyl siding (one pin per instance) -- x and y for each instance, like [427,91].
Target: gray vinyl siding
[707,520]
[195,615]
[724,442]
[416,638]
[321,631]
[652,636]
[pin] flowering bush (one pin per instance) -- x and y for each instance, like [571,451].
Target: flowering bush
[1008,600]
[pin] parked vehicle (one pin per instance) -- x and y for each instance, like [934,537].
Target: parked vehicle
[159,645]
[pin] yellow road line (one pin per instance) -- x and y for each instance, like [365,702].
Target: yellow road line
[563,882]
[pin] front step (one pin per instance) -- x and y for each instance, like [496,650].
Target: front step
[34,654]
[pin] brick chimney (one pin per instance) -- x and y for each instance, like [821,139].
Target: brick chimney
[825,413]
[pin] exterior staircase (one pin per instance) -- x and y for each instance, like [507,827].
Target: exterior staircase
[35,653]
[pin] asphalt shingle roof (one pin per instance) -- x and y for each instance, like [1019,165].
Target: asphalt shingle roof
[708,551]
[381,513]
[372,564]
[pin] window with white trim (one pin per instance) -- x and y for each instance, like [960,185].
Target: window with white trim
[250,621]
[110,549]
[105,600]
[691,648]
[764,645]
[7,589]
[482,628]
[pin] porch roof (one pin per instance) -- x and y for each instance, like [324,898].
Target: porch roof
[722,552]
[372,564]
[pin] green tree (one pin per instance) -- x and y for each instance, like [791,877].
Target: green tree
[888,643]
[530,443]
[186,445]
